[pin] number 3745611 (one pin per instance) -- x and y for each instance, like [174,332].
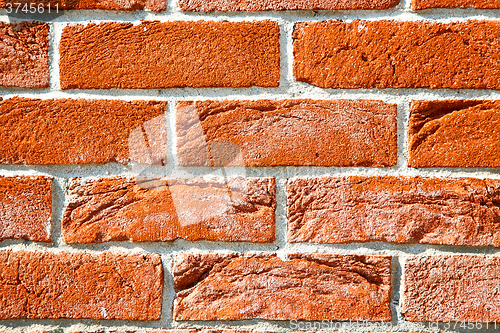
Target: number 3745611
[31,8]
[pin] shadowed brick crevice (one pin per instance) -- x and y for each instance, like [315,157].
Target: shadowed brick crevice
[454,134]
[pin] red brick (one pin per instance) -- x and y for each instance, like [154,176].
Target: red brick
[452,288]
[153,5]
[80,285]
[395,209]
[79,131]
[230,210]
[425,4]
[26,208]
[170,54]
[391,54]
[259,5]
[454,134]
[24,59]
[287,132]
[304,286]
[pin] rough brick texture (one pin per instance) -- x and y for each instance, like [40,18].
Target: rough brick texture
[304,286]
[79,131]
[26,208]
[287,132]
[170,54]
[454,134]
[425,4]
[390,54]
[153,5]
[258,5]
[24,60]
[454,288]
[234,209]
[80,285]
[396,209]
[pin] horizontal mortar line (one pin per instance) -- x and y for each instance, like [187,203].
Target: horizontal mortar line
[293,92]
[96,16]
[113,169]
[173,248]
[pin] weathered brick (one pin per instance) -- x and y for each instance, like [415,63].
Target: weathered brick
[260,5]
[425,4]
[79,131]
[26,208]
[80,285]
[454,134]
[447,211]
[452,288]
[392,54]
[304,286]
[153,5]
[24,59]
[235,209]
[170,54]
[287,132]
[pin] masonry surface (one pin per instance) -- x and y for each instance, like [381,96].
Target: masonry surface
[226,166]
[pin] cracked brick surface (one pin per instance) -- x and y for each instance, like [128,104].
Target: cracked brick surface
[287,132]
[449,211]
[303,286]
[392,54]
[80,285]
[118,209]
[454,134]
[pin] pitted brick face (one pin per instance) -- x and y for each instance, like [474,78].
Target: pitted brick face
[452,288]
[464,134]
[177,54]
[393,54]
[304,286]
[24,55]
[479,4]
[26,208]
[260,5]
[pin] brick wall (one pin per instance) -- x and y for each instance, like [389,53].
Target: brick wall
[251,166]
